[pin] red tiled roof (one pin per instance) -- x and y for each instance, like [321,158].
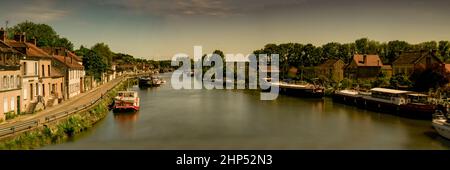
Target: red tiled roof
[32,50]
[67,61]
[371,60]
[75,57]
[6,48]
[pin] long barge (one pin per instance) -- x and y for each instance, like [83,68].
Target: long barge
[298,90]
[398,102]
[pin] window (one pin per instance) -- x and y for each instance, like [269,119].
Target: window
[43,71]
[12,103]
[35,69]
[43,90]
[18,84]
[25,93]
[37,90]
[11,82]
[5,104]
[24,68]
[48,68]
[5,82]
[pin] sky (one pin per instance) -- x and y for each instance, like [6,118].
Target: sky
[159,29]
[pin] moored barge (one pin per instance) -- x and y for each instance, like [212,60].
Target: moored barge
[403,103]
[299,90]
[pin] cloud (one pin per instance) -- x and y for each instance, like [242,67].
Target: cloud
[171,7]
[38,11]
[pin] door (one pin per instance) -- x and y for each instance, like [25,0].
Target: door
[31,92]
[18,104]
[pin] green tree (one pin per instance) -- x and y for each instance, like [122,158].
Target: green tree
[331,50]
[104,52]
[400,80]
[362,45]
[395,48]
[94,65]
[444,50]
[44,34]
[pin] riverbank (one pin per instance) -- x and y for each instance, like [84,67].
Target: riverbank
[61,130]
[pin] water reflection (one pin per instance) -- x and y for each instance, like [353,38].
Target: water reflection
[126,121]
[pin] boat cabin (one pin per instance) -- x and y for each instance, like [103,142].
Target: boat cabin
[394,96]
[127,94]
[417,98]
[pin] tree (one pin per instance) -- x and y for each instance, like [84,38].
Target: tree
[444,50]
[431,77]
[44,34]
[400,80]
[104,52]
[362,45]
[331,50]
[395,48]
[94,65]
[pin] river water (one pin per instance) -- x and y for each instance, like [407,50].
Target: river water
[237,119]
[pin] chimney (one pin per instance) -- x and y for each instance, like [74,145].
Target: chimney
[24,37]
[2,34]
[365,59]
[17,37]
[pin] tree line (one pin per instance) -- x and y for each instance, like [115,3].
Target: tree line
[298,55]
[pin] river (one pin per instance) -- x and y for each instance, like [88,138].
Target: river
[237,119]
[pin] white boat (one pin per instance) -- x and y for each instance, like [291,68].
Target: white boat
[442,124]
[126,101]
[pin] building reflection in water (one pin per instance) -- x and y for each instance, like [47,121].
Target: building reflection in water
[126,121]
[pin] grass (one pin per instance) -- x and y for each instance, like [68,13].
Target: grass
[63,129]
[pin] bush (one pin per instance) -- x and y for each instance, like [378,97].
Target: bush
[10,115]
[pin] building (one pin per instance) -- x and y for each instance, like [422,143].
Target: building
[408,62]
[364,67]
[332,69]
[69,65]
[41,84]
[10,79]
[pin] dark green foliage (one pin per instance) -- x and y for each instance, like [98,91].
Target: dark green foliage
[45,35]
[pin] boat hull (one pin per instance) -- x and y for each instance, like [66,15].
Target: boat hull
[442,128]
[410,110]
[126,109]
[310,93]
[346,99]
[145,83]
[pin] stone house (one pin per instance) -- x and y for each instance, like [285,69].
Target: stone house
[408,62]
[332,69]
[10,78]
